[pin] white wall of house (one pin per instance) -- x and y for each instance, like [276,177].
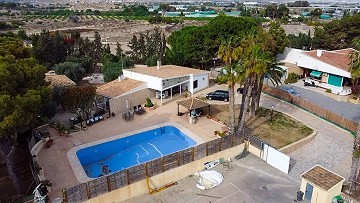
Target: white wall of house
[152,82]
[311,63]
[297,57]
[202,82]
[156,83]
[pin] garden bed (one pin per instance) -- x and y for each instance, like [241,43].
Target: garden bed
[281,131]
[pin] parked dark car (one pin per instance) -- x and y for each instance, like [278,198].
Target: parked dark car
[222,95]
[240,90]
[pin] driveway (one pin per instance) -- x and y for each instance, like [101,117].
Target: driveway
[251,181]
[346,109]
[332,147]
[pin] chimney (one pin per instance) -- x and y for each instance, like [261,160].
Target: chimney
[158,62]
[319,52]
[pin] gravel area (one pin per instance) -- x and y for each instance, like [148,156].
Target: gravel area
[331,148]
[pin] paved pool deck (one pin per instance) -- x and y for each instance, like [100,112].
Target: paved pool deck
[331,148]
[55,162]
[251,181]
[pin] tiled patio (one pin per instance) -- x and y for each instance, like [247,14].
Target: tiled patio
[55,162]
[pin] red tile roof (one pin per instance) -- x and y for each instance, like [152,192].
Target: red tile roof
[116,88]
[337,58]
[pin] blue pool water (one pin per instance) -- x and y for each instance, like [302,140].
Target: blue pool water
[132,150]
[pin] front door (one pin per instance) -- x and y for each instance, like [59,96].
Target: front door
[308,193]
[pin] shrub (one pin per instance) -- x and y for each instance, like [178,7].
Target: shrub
[149,103]
[328,91]
[292,78]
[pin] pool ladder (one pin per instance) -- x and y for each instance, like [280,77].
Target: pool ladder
[162,127]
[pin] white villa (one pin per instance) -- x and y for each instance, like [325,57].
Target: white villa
[327,69]
[140,82]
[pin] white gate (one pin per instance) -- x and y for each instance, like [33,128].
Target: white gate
[275,158]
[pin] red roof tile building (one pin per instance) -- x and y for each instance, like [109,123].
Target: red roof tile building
[327,69]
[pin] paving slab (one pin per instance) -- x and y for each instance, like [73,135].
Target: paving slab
[251,181]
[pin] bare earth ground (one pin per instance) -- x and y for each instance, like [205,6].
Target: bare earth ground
[275,133]
[111,30]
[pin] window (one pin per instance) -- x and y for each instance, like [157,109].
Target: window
[195,84]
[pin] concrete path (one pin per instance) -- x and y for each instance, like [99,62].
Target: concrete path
[251,181]
[331,148]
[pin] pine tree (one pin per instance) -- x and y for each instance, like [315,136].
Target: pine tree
[106,49]
[142,48]
[133,44]
[97,48]
[119,51]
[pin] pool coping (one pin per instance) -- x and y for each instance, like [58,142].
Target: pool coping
[79,170]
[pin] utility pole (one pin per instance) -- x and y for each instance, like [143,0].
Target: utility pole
[122,62]
[202,63]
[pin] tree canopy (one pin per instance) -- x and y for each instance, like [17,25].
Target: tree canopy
[72,70]
[194,46]
[23,90]
[337,34]
[79,97]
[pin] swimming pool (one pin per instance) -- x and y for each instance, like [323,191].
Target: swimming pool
[122,153]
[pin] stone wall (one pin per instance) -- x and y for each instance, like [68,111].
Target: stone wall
[118,106]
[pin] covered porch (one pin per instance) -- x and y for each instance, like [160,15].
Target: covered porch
[192,104]
[167,94]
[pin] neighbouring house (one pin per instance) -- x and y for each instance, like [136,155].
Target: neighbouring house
[140,82]
[327,69]
[55,80]
[320,185]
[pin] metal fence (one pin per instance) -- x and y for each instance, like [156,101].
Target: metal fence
[104,184]
[311,107]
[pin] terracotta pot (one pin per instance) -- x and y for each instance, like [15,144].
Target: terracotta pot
[149,108]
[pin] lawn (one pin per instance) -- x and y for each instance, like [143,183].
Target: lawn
[281,131]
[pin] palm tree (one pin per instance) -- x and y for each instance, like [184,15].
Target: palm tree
[355,73]
[231,74]
[355,62]
[255,63]
[355,160]
[274,74]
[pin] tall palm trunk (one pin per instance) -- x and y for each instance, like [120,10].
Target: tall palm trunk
[232,108]
[258,93]
[245,104]
[242,107]
[355,160]
[253,98]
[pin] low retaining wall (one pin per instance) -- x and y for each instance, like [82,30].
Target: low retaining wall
[34,152]
[298,144]
[164,178]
